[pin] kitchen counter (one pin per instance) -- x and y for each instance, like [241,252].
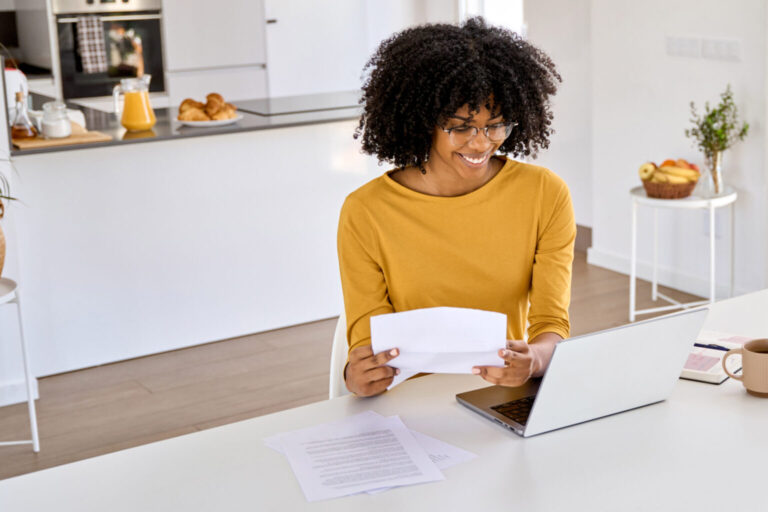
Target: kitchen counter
[261,114]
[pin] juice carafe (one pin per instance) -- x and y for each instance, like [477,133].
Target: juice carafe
[137,112]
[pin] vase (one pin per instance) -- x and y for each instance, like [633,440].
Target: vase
[2,251]
[2,240]
[715,177]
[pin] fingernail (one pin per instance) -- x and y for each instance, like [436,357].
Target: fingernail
[476,371]
[397,371]
[393,352]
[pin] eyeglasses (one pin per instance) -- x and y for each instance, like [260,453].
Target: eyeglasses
[460,135]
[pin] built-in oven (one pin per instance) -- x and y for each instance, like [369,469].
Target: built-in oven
[102,41]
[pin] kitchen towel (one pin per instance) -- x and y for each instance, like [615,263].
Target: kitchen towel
[90,42]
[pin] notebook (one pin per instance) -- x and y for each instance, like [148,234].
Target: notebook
[706,364]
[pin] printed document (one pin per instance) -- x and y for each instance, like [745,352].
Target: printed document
[358,454]
[440,340]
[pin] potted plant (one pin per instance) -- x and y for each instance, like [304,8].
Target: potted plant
[715,131]
[5,193]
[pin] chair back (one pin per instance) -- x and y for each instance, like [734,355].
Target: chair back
[336,385]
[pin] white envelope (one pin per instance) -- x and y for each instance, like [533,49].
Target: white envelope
[440,340]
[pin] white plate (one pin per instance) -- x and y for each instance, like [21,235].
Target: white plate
[206,124]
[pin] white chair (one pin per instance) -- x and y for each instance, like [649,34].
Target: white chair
[9,294]
[336,385]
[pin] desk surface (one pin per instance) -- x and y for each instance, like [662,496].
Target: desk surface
[703,449]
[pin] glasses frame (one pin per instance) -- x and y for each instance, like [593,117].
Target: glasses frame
[510,126]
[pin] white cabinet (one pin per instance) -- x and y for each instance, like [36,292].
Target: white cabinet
[315,47]
[200,34]
[32,27]
[240,83]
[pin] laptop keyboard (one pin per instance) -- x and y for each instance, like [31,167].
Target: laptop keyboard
[516,410]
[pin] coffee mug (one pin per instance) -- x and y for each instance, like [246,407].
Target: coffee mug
[754,367]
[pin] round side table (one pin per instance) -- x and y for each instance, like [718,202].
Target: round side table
[640,198]
[9,294]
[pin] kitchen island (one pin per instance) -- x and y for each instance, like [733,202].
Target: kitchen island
[138,246]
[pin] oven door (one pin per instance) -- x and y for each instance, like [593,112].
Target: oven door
[133,48]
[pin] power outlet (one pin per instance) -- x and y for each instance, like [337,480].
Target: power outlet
[683,47]
[721,49]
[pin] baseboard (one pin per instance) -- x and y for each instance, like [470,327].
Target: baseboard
[14,392]
[695,285]
[583,238]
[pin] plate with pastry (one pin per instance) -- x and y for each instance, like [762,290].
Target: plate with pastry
[214,112]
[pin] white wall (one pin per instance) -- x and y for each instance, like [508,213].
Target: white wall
[561,28]
[640,110]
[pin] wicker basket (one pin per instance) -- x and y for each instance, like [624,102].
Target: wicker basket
[668,190]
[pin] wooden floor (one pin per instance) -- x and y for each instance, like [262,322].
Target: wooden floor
[112,407]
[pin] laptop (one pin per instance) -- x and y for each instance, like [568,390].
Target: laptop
[595,375]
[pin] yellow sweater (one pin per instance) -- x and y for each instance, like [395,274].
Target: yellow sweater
[497,248]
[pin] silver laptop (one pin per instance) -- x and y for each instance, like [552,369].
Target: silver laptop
[595,375]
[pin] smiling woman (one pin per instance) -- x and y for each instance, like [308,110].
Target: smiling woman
[455,224]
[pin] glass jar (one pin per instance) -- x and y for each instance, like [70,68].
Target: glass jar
[22,127]
[55,123]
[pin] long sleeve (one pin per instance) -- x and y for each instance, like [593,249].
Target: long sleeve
[550,292]
[506,247]
[362,278]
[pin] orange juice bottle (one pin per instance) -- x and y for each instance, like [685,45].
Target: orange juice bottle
[137,112]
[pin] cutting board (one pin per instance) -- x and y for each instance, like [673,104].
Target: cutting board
[79,136]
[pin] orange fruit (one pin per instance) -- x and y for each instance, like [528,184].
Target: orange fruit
[681,162]
[668,163]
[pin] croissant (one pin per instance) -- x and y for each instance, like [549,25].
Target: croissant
[229,111]
[190,103]
[224,114]
[213,106]
[215,97]
[193,114]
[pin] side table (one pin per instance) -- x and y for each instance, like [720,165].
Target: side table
[9,294]
[640,198]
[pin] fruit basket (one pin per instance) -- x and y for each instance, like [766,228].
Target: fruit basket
[673,179]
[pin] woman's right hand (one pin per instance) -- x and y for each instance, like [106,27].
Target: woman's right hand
[367,374]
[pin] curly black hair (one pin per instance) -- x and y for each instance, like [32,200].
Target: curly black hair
[421,76]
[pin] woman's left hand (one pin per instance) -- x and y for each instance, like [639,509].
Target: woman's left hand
[519,365]
[521,361]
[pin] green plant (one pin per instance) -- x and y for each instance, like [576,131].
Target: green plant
[717,129]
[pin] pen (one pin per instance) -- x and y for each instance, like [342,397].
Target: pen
[711,346]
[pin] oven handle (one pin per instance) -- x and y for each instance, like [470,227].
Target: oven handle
[136,17]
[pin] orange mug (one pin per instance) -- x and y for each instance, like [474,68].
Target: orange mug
[754,366]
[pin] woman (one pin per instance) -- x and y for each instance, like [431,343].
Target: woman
[454,224]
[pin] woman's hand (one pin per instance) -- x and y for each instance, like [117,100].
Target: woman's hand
[366,374]
[521,361]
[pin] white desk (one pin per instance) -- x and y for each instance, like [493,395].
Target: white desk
[640,198]
[704,449]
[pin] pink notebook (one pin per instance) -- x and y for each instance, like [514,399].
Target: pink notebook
[705,364]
